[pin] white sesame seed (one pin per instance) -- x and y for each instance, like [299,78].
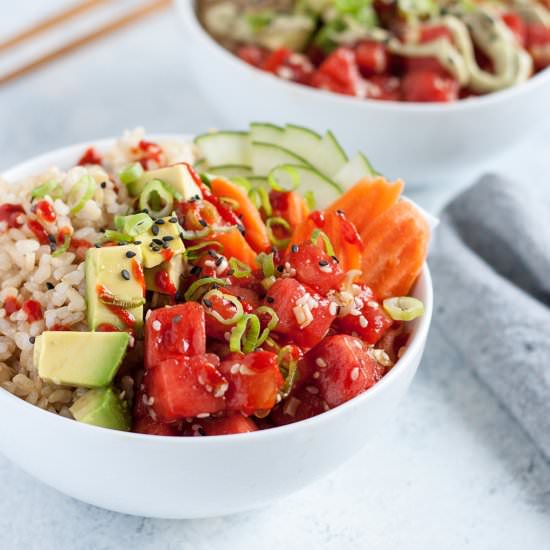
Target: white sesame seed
[148,314]
[203,415]
[363,322]
[333,308]
[312,389]
[325,268]
[221,389]
[291,406]
[316,375]
[354,373]
[156,325]
[208,388]
[245,371]
[382,357]
[320,362]
[200,378]
[372,304]
[235,368]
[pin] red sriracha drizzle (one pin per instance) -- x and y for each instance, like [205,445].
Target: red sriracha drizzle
[318,218]
[90,156]
[167,254]
[45,211]
[151,152]
[107,327]
[39,232]
[163,282]
[11,305]
[9,214]
[123,314]
[33,310]
[137,271]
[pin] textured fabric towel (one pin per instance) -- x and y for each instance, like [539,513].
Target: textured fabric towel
[491,269]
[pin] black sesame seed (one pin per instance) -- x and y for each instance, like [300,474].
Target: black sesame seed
[103,184]
[155,248]
[155,230]
[335,259]
[203,222]
[165,245]
[50,286]
[145,210]
[53,246]
[122,243]
[176,319]
[294,248]
[125,274]
[137,242]
[157,241]
[32,339]
[212,253]
[173,220]
[160,221]
[51,238]
[340,212]
[323,263]
[269,299]
[168,238]
[195,270]
[242,230]
[130,254]
[207,302]
[280,268]
[97,245]
[219,261]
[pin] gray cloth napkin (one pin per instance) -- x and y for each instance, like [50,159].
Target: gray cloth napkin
[491,270]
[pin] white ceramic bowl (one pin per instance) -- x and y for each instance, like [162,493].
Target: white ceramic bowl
[172,477]
[422,143]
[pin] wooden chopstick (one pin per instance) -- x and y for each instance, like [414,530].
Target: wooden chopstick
[50,22]
[113,26]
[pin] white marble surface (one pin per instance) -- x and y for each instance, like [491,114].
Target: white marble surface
[452,470]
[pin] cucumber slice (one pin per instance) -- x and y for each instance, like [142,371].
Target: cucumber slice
[266,156]
[329,156]
[266,133]
[354,170]
[324,190]
[222,148]
[231,171]
[301,141]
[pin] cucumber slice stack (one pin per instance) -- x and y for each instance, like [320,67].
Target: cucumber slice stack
[284,155]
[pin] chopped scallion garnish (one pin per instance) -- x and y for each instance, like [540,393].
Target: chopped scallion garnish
[156,199]
[130,173]
[275,177]
[240,269]
[117,236]
[403,308]
[288,365]
[281,222]
[134,225]
[273,322]
[309,197]
[329,249]
[195,290]
[64,247]
[266,262]
[260,198]
[51,188]
[239,311]
[244,335]
[82,191]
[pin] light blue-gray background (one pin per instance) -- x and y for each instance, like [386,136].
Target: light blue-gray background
[452,470]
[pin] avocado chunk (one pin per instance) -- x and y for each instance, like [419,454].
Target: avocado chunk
[161,242]
[115,287]
[81,359]
[165,277]
[177,177]
[102,407]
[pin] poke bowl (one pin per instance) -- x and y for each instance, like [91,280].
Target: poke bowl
[200,392]
[422,142]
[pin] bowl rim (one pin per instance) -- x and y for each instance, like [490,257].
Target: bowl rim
[415,348]
[190,20]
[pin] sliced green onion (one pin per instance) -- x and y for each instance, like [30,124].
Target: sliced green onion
[205,179]
[239,311]
[242,182]
[192,235]
[192,295]
[117,236]
[260,198]
[190,252]
[289,369]
[232,203]
[81,193]
[134,225]
[240,269]
[51,188]
[268,282]
[309,197]
[176,194]
[130,173]
[64,247]
[265,261]
[279,243]
[156,199]
[244,335]
[328,245]
[294,178]
[272,344]
[403,308]
[273,322]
